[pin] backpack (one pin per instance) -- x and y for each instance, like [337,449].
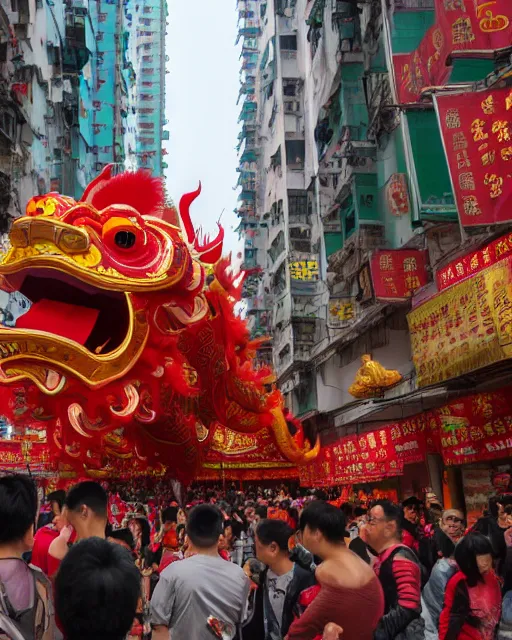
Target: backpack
[35,623]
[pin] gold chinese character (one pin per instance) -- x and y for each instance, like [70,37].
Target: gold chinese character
[467,181]
[477,129]
[488,158]
[453,5]
[412,283]
[452,119]
[500,128]
[460,141]
[495,183]
[386,262]
[508,101]
[463,161]
[488,105]
[459,268]
[471,206]
[486,256]
[390,285]
[462,31]
[474,261]
[506,154]
[410,264]
[483,147]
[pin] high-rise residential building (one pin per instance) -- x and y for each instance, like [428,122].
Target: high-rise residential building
[353,211]
[78,91]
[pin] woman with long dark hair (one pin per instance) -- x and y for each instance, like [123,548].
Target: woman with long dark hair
[472,605]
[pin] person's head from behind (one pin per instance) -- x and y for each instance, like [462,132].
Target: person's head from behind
[384,525]
[260,514]
[18,513]
[205,526]
[97,590]
[169,518]
[508,514]
[271,541]
[86,508]
[348,510]
[444,545]
[57,500]
[359,514]
[473,554]
[322,526]
[122,537]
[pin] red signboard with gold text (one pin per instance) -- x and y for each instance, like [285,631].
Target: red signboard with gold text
[477,134]
[475,28]
[473,262]
[475,25]
[397,274]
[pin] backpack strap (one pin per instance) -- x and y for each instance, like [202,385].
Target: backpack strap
[5,604]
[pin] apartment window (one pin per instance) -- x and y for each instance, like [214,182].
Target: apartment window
[297,203]
[295,153]
[300,239]
[290,87]
[277,247]
[288,43]
[304,331]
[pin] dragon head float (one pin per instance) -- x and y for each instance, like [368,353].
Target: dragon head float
[118,333]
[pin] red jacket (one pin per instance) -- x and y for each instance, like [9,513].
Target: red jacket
[42,541]
[470,613]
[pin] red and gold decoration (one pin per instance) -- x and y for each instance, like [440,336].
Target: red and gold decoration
[397,195]
[477,138]
[397,274]
[474,262]
[462,28]
[471,429]
[124,345]
[466,327]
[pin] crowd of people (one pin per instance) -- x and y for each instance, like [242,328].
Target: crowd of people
[259,565]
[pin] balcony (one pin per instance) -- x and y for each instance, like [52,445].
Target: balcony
[414,5]
[75,52]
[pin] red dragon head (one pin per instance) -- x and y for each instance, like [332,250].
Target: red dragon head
[110,334]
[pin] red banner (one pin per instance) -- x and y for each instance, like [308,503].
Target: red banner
[476,428]
[474,262]
[16,455]
[481,26]
[477,138]
[397,274]
[425,67]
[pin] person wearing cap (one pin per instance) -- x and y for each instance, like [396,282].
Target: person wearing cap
[411,523]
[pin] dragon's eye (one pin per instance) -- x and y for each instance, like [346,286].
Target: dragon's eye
[122,234]
[125,239]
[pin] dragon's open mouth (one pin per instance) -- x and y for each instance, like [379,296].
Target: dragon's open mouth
[65,307]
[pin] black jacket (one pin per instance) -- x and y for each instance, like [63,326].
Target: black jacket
[254,628]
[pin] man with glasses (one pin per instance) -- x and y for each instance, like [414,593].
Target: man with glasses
[399,572]
[452,523]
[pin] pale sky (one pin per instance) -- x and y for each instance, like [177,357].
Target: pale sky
[202,90]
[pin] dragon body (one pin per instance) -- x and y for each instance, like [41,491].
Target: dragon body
[119,335]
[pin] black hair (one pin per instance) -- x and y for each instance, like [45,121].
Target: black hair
[97,589]
[443,543]
[262,512]
[392,513]
[490,528]
[88,493]
[348,509]
[125,535]
[145,531]
[57,496]
[170,515]
[326,518]
[269,531]
[359,511]
[466,551]
[236,527]
[18,507]
[204,526]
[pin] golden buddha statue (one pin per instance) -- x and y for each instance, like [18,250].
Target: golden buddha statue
[371,378]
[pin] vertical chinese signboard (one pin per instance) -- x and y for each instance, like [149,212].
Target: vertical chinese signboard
[397,274]
[397,195]
[477,135]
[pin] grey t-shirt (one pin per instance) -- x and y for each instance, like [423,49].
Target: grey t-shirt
[277,586]
[191,590]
